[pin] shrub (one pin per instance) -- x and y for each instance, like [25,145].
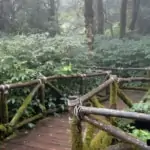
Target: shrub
[28,57]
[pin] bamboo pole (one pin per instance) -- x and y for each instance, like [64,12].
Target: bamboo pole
[24,106]
[114,113]
[95,91]
[116,132]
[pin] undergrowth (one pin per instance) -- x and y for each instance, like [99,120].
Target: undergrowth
[139,129]
[25,58]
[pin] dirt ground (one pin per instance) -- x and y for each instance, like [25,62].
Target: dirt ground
[53,133]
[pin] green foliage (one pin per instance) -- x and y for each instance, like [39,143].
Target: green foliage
[122,53]
[124,124]
[24,58]
[141,108]
[128,125]
[141,134]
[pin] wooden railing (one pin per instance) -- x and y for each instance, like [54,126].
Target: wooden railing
[93,118]
[8,127]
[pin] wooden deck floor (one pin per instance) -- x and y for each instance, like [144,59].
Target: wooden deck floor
[52,133]
[49,134]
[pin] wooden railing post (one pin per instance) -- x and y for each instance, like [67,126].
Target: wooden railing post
[108,88]
[3,105]
[113,93]
[81,92]
[148,75]
[75,125]
[3,109]
[42,91]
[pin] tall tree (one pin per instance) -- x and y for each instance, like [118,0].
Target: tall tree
[52,15]
[89,14]
[135,11]
[100,19]
[123,18]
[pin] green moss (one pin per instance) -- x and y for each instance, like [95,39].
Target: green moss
[3,128]
[95,102]
[76,134]
[125,98]
[89,130]
[89,134]
[24,106]
[146,97]
[113,95]
[5,131]
[5,110]
[101,141]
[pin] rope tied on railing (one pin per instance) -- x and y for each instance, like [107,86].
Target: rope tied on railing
[77,112]
[108,72]
[5,87]
[44,79]
[2,87]
[73,101]
[40,81]
[113,77]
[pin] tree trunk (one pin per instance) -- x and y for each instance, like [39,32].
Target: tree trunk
[123,18]
[89,14]
[100,19]
[52,16]
[135,11]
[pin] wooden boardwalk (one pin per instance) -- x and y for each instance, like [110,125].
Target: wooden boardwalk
[52,133]
[49,134]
